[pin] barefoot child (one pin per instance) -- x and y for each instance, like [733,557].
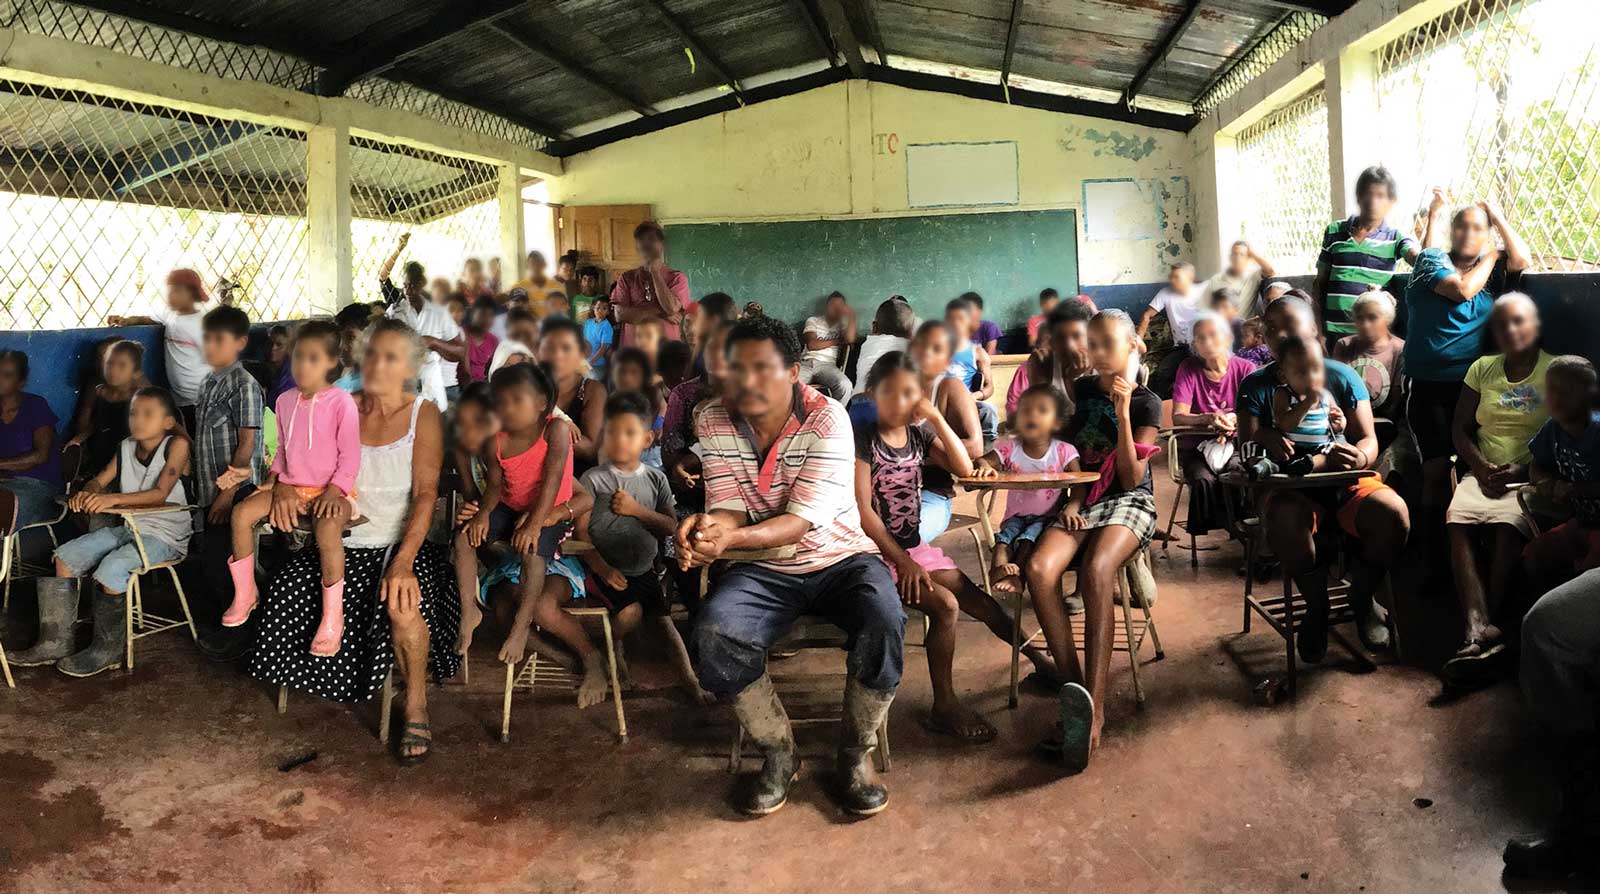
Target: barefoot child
[889,458]
[633,510]
[1566,471]
[1303,408]
[144,474]
[1032,448]
[314,473]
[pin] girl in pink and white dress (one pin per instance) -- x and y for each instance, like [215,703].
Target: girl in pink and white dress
[1033,448]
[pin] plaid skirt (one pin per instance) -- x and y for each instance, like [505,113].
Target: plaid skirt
[1132,509]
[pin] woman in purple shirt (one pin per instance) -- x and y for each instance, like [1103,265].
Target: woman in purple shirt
[30,465]
[1203,395]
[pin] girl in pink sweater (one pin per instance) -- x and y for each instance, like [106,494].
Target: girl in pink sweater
[319,453]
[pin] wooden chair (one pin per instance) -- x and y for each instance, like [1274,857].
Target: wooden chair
[11,544]
[141,623]
[536,674]
[1129,639]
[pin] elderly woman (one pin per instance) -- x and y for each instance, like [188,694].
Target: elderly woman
[29,461]
[1500,409]
[1205,392]
[388,560]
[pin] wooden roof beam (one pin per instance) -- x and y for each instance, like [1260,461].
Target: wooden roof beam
[572,67]
[1011,45]
[844,37]
[699,49]
[1163,49]
[384,55]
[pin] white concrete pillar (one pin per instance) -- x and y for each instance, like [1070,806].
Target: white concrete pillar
[1353,125]
[513,239]
[859,152]
[330,275]
[1220,200]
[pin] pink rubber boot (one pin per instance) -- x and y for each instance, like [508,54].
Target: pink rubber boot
[329,633]
[243,572]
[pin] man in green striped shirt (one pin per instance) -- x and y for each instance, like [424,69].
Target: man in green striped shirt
[1359,253]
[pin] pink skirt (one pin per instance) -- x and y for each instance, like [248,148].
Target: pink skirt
[928,556]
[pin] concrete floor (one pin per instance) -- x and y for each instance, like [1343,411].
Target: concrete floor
[169,779]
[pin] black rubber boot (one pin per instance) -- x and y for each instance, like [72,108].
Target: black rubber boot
[860,790]
[109,644]
[765,723]
[58,609]
[1311,635]
[1571,843]
[225,644]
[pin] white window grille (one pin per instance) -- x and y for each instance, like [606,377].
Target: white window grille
[1283,165]
[447,204]
[100,198]
[1288,34]
[1499,101]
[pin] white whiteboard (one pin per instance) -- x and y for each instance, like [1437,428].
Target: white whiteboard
[1118,209]
[944,174]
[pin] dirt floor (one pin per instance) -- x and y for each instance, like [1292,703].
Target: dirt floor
[174,778]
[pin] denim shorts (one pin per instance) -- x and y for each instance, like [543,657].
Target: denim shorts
[1022,529]
[937,510]
[111,554]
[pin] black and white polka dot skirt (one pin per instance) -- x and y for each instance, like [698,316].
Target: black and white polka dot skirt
[292,608]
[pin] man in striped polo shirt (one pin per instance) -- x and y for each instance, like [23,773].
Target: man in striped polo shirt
[778,460]
[1359,253]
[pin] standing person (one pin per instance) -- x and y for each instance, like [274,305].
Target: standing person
[1048,299]
[431,321]
[1060,358]
[1448,302]
[598,334]
[29,460]
[478,335]
[652,290]
[536,282]
[1180,300]
[827,337]
[1245,270]
[1359,253]
[985,332]
[800,496]
[400,606]
[589,289]
[180,336]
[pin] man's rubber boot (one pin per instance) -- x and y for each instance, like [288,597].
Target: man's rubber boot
[865,710]
[1311,634]
[765,723]
[110,641]
[58,610]
[1570,844]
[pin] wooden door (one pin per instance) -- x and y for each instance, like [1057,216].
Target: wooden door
[602,235]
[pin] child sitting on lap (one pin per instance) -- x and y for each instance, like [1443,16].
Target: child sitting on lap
[1033,448]
[633,509]
[314,472]
[1566,471]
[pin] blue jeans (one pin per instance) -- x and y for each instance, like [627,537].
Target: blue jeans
[988,421]
[111,554]
[937,510]
[36,500]
[752,607]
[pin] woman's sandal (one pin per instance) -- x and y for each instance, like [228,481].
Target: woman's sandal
[980,733]
[409,739]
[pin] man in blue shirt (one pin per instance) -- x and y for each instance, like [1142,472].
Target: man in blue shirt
[1300,524]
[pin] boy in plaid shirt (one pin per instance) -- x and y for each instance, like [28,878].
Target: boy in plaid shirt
[227,434]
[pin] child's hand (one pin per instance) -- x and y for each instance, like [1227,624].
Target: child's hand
[525,539]
[1121,396]
[623,503]
[477,528]
[1071,520]
[982,469]
[286,507]
[221,506]
[687,471]
[233,477]
[466,512]
[1335,419]
[914,580]
[74,441]
[924,410]
[329,503]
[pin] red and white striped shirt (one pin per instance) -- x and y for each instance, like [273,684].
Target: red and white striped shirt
[808,471]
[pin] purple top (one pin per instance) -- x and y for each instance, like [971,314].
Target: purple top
[16,438]
[988,331]
[1193,387]
[1260,355]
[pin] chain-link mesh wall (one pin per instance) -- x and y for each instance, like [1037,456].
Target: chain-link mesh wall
[1283,169]
[1295,28]
[447,204]
[1499,101]
[100,198]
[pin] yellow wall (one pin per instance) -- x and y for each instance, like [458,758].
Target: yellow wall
[828,153]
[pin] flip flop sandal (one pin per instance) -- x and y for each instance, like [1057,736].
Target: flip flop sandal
[984,735]
[1077,719]
[1470,667]
[410,739]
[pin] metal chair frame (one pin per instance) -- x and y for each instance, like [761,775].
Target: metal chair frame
[141,623]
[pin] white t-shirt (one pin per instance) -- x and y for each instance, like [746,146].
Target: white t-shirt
[1180,310]
[873,347]
[186,364]
[433,321]
[1246,286]
[819,327]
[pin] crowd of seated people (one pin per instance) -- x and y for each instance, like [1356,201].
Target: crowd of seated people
[667,432]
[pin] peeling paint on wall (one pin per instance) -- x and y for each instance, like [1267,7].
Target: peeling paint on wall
[1133,148]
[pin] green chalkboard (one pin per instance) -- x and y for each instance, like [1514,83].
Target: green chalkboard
[1006,257]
